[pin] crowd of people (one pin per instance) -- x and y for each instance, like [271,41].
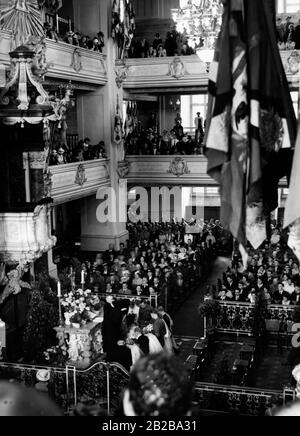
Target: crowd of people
[174,142]
[163,259]
[175,44]
[272,273]
[84,151]
[76,38]
[288,34]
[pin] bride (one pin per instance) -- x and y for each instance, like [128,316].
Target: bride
[154,344]
[23,19]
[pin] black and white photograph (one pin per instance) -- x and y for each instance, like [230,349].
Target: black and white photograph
[149,211]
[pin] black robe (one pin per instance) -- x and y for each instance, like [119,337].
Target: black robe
[111,328]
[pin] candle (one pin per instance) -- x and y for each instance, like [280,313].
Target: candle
[82,277]
[58,289]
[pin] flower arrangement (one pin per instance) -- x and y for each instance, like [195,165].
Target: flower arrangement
[57,356]
[148,329]
[81,307]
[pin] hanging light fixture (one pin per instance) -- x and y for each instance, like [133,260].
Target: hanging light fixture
[200,22]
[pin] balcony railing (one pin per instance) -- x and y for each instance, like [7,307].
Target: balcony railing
[66,61]
[183,72]
[77,180]
[188,170]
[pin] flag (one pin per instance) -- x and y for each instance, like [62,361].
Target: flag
[250,122]
[292,210]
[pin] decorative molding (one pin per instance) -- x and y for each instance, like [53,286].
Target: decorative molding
[80,178]
[179,167]
[123,169]
[77,60]
[25,237]
[40,64]
[37,160]
[64,187]
[177,68]
[48,184]
[293,63]
[121,74]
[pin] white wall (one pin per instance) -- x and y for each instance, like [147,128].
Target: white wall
[154,8]
[90,115]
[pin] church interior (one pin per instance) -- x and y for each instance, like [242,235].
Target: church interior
[149,208]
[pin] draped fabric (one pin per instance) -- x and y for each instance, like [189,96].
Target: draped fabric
[123,25]
[292,210]
[23,19]
[251,125]
[52,6]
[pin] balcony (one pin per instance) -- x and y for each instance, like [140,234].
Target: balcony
[184,72]
[67,62]
[168,170]
[189,171]
[77,180]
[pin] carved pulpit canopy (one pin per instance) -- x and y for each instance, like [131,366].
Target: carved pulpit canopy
[23,19]
[24,98]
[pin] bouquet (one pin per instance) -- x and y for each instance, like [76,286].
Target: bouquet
[80,306]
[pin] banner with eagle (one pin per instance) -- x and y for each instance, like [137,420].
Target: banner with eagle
[251,124]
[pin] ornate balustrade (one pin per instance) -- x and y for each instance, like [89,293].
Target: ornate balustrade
[168,171]
[182,72]
[189,170]
[237,401]
[104,383]
[77,180]
[66,61]
[101,384]
[237,318]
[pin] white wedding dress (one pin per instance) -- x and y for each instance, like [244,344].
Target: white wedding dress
[154,344]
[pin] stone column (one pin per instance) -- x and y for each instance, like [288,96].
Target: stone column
[95,235]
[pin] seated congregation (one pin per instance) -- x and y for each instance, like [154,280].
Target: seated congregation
[272,273]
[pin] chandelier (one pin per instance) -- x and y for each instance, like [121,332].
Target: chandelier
[200,22]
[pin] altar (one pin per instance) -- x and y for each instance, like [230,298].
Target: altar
[84,344]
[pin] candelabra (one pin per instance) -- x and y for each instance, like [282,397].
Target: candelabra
[200,22]
[59,295]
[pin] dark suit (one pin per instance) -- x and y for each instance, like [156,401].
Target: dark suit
[122,355]
[159,329]
[143,343]
[111,328]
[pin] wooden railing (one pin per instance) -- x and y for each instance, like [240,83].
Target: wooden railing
[237,318]
[102,384]
[234,400]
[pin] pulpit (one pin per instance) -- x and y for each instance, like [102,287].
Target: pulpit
[84,345]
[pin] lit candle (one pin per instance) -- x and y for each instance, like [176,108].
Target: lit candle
[58,289]
[82,277]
